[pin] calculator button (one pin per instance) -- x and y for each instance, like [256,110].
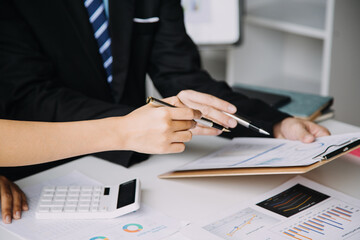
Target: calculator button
[73,193]
[60,193]
[71,199]
[71,204]
[96,198]
[84,203]
[48,193]
[83,209]
[85,198]
[49,188]
[85,193]
[58,204]
[61,188]
[70,209]
[46,199]
[86,188]
[59,199]
[74,188]
[97,193]
[43,209]
[46,204]
[56,209]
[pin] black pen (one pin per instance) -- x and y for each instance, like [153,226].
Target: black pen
[247,123]
[203,121]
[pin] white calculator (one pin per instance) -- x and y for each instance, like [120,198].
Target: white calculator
[88,202]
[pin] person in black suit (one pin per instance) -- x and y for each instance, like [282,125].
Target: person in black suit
[51,70]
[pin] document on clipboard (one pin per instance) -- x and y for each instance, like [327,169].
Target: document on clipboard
[260,156]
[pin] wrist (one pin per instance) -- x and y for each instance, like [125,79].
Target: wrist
[117,130]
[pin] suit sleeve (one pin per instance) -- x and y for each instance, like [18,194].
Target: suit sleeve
[29,86]
[175,66]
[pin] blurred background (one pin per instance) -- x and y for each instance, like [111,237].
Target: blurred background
[309,46]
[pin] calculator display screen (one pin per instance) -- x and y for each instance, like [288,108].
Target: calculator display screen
[126,193]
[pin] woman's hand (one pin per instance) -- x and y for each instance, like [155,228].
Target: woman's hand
[299,129]
[155,130]
[211,107]
[13,200]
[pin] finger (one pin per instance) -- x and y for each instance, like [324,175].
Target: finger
[176,147]
[199,130]
[17,201]
[303,134]
[25,205]
[216,115]
[182,125]
[175,101]
[6,203]
[182,136]
[317,130]
[184,114]
[189,97]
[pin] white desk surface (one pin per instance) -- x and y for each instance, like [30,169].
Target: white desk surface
[189,199]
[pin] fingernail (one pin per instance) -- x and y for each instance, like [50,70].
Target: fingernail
[232,122]
[17,215]
[231,108]
[7,219]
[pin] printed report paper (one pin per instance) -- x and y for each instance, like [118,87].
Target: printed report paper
[299,209]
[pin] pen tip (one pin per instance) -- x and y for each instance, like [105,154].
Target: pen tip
[226,130]
[264,132]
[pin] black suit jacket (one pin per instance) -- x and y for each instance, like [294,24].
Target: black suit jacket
[51,69]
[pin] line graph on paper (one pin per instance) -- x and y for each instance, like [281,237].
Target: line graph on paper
[293,200]
[241,224]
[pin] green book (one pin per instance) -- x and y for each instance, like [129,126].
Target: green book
[303,105]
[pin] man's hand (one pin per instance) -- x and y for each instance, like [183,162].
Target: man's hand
[13,200]
[298,129]
[211,107]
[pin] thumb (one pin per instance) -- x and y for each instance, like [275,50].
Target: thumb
[305,136]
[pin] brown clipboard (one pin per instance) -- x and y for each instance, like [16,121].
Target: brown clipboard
[256,170]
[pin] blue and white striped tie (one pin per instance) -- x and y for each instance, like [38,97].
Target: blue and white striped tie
[99,22]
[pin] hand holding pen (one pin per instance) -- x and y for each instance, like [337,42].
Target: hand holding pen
[204,121]
[216,108]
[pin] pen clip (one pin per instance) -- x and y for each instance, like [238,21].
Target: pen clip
[343,147]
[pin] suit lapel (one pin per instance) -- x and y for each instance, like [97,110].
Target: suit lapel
[67,21]
[121,24]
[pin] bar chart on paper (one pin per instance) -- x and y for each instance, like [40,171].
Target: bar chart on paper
[241,224]
[334,219]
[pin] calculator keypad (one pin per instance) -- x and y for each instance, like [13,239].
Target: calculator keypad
[71,199]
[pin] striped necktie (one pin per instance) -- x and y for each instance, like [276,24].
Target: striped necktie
[99,22]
